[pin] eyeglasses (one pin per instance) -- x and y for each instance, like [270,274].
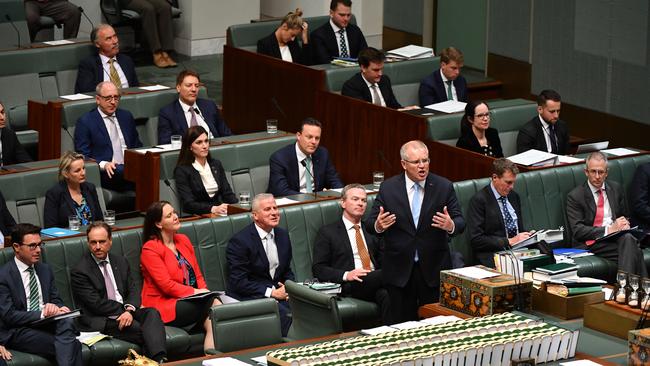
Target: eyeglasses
[418,162]
[109,98]
[484,115]
[33,246]
[596,172]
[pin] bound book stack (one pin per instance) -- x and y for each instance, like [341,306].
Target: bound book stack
[554,272]
[489,340]
[574,286]
[516,262]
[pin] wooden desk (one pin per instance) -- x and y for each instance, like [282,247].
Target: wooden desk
[144,169]
[431,310]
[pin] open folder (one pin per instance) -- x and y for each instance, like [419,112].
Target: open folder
[48,319]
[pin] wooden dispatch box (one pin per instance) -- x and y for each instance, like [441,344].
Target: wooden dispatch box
[638,342]
[479,297]
[564,307]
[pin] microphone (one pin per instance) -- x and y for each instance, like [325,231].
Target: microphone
[383,158]
[313,179]
[277,107]
[86,16]
[65,128]
[15,28]
[517,277]
[169,185]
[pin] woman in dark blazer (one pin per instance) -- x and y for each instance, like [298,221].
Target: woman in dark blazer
[282,43]
[72,195]
[200,180]
[12,151]
[477,135]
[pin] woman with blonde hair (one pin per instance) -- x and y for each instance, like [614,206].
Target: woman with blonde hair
[282,42]
[72,195]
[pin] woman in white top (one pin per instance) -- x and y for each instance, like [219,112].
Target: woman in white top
[200,180]
[282,42]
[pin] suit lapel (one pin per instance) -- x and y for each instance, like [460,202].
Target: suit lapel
[101,126]
[613,200]
[591,204]
[344,239]
[258,249]
[493,207]
[427,200]
[43,278]
[180,116]
[293,167]
[117,274]
[21,296]
[541,135]
[403,200]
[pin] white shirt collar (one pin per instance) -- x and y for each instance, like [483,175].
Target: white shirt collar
[185,106]
[105,59]
[334,26]
[594,189]
[369,84]
[410,183]
[104,115]
[444,78]
[22,267]
[299,154]
[544,123]
[98,261]
[263,233]
[348,224]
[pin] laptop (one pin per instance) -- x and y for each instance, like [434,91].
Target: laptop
[594,146]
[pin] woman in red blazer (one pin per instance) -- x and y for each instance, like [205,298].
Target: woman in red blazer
[170,272]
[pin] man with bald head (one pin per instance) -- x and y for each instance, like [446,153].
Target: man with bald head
[104,133]
[415,212]
[259,258]
[107,65]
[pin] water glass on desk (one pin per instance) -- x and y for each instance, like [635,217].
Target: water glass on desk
[377,179]
[244,198]
[109,217]
[74,223]
[176,141]
[271,126]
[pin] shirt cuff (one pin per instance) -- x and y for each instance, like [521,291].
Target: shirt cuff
[102,165]
[268,291]
[453,228]
[377,229]
[129,307]
[345,275]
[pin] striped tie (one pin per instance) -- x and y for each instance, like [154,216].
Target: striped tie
[113,75]
[34,301]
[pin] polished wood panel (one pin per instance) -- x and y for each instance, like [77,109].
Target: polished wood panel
[514,74]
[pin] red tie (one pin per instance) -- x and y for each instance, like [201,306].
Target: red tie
[600,213]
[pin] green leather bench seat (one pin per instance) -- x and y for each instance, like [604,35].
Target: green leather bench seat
[508,116]
[25,191]
[543,198]
[246,164]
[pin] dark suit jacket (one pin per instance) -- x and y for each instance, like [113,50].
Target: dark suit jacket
[91,72]
[487,230]
[89,290]
[7,221]
[403,238]
[13,151]
[91,137]
[13,301]
[171,120]
[356,87]
[325,47]
[269,46]
[59,204]
[284,179]
[640,197]
[468,141]
[249,267]
[531,136]
[433,89]
[581,211]
[333,252]
[194,198]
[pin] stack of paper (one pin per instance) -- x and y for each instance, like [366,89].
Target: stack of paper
[450,106]
[90,338]
[534,157]
[410,52]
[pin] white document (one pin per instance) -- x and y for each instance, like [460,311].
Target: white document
[77,96]
[450,106]
[284,201]
[565,159]
[475,272]
[58,43]
[411,51]
[261,360]
[440,319]
[579,363]
[225,361]
[620,151]
[533,157]
[155,149]
[379,330]
[407,325]
[154,87]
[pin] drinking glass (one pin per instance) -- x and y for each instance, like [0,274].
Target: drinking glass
[176,141]
[271,126]
[244,198]
[74,223]
[377,179]
[109,217]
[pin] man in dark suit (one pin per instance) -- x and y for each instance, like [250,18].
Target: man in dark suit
[640,197]
[109,297]
[11,151]
[415,212]
[7,221]
[19,309]
[596,209]
[189,110]
[259,258]
[338,37]
[494,217]
[446,83]
[371,84]
[303,167]
[346,253]
[107,65]
[545,132]
[104,133]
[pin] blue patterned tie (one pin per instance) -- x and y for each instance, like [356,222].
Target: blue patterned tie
[511,225]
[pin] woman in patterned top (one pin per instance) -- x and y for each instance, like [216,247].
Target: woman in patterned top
[477,135]
[72,196]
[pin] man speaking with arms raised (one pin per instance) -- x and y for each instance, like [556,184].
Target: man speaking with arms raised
[415,212]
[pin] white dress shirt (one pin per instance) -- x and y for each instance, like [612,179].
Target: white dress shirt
[109,128]
[286,53]
[453,87]
[199,117]
[269,247]
[352,236]
[381,96]
[24,275]
[107,70]
[302,171]
[547,134]
[209,183]
[338,37]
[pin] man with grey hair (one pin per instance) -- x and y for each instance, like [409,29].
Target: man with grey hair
[259,258]
[415,212]
[104,133]
[494,218]
[596,209]
[346,253]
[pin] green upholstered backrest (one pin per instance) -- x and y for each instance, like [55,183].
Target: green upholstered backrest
[314,314]
[543,195]
[247,35]
[25,192]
